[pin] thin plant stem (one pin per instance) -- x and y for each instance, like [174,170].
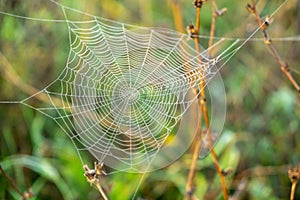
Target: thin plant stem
[212,26]
[219,170]
[93,176]
[191,177]
[293,188]
[12,183]
[203,109]
[99,187]
[190,185]
[214,156]
[260,171]
[198,18]
[294,175]
[177,16]
[285,68]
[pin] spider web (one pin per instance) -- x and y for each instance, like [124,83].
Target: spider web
[127,93]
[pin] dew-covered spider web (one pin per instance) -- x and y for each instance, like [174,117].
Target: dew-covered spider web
[125,90]
[128,94]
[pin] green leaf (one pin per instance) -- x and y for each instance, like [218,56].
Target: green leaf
[41,166]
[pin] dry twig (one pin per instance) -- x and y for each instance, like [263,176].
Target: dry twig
[215,14]
[27,194]
[194,33]
[294,175]
[285,68]
[94,175]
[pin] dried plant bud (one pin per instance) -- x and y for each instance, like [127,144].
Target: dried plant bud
[192,31]
[93,175]
[86,168]
[203,100]
[227,171]
[221,12]
[199,3]
[190,28]
[251,9]
[28,194]
[294,174]
[99,169]
[268,21]
[89,174]
[267,41]
[286,67]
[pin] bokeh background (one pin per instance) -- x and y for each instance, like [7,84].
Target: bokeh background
[260,139]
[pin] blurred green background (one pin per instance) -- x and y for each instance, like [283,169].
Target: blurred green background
[260,139]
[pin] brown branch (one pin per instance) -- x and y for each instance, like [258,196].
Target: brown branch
[293,188]
[261,171]
[215,14]
[220,172]
[212,26]
[241,179]
[198,18]
[26,195]
[190,185]
[194,32]
[294,175]
[10,181]
[191,177]
[285,68]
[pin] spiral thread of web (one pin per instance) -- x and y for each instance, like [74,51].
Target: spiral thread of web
[125,89]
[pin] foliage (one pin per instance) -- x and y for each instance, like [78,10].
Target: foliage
[261,130]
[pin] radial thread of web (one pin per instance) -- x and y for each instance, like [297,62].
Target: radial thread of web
[125,92]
